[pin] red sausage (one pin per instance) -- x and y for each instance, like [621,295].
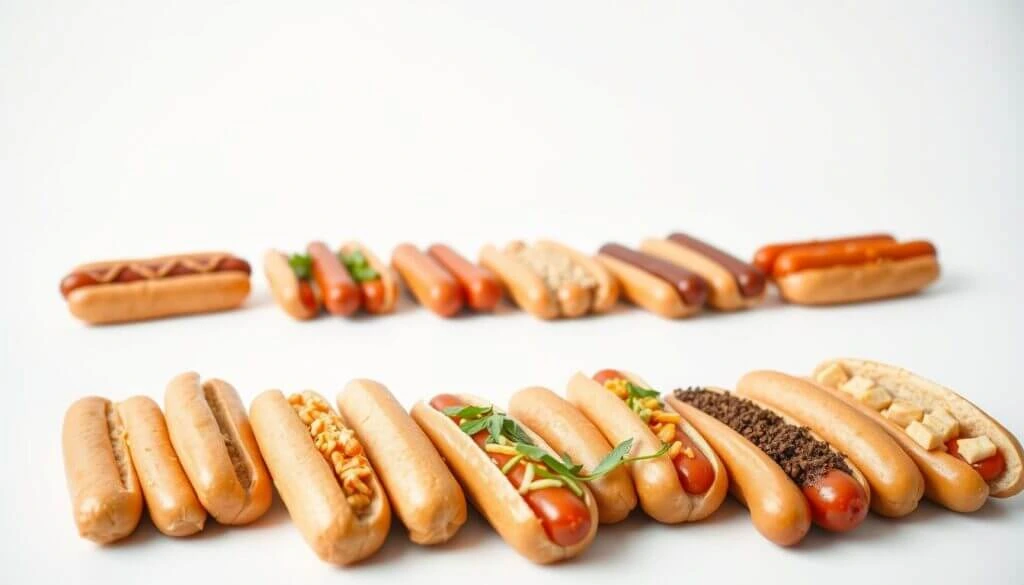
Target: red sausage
[565,517]
[827,256]
[481,287]
[989,468]
[341,294]
[765,258]
[837,501]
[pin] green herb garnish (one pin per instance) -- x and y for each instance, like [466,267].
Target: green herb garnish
[358,266]
[302,266]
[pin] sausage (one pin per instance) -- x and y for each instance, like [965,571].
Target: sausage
[340,294]
[432,285]
[647,290]
[423,492]
[750,279]
[106,498]
[764,258]
[724,292]
[690,286]
[778,509]
[170,499]
[568,431]
[331,491]
[894,479]
[827,256]
[480,287]
[565,517]
[837,501]
[211,434]
[135,270]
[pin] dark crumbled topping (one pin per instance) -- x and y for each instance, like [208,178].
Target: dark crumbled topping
[803,458]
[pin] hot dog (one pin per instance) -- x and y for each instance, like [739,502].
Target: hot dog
[837,494]
[291,283]
[423,492]
[133,290]
[896,484]
[568,431]
[512,476]
[733,284]
[964,454]
[479,286]
[106,498]
[684,484]
[214,442]
[378,284]
[847,271]
[325,480]
[653,283]
[764,258]
[341,294]
[172,503]
[432,285]
[549,280]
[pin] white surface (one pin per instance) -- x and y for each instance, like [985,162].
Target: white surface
[131,128]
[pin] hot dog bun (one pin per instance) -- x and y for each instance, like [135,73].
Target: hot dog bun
[724,292]
[172,503]
[657,484]
[777,507]
[847,284]
[284,286]
[106,498]
[388,279]
[895,482]
[524,286]
[646,290]
[491,491]
[211,434]
[422,490]
[311,490]
[568,431]
[973,421]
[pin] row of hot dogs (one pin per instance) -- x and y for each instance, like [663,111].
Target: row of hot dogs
[673,277]
[855,435]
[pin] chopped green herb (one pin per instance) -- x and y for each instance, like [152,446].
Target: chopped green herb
[358,266]
[302,266]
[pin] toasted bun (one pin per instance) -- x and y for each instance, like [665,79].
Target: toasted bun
[850,284]
[646,290]
[491,491]
[895,481]
[284,286]
[310,489]
[387,276]
[607,291]
[151,299]
[723,290]
[422,490]
[927,394]
[523,285]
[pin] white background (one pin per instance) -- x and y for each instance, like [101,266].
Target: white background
[138,128]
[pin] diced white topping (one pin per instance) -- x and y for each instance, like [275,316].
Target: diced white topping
[902,412]
[833,376]
[976,449]
[923,435]
[876,397]
[943,423]
[856,385]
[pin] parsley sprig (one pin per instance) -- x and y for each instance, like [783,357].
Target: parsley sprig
[636,398]
[500,429]
[358,266]
[302,266]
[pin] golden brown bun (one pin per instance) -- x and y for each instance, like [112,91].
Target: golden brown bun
[215,444]
[851,284]
[568,431]
[492,492]
[106,498]
[973,421]
[895,481]
[646,290]
[310,489]
[423,491]
[723,290]
[172,503]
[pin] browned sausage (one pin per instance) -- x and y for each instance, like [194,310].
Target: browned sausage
[341,294]
[750,279]
[134,271]
[690,285]
[480,286]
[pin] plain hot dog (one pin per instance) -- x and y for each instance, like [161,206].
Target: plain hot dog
[896,484]
[963,453]
[327,484]
[537,504]
[683,481]
[106,498]
[132,290]
[423,492]
[653,283]
[480,287]
[764,258]
[211,434]
[172,503]
[432,285]
[837,494]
